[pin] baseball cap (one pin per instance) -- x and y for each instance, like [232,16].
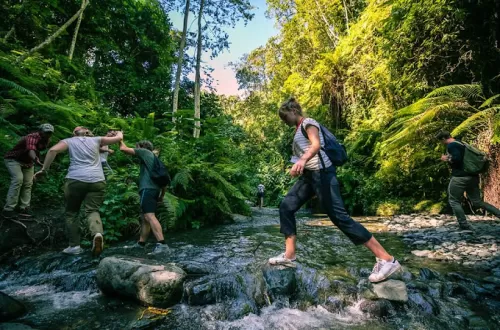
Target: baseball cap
[46,128]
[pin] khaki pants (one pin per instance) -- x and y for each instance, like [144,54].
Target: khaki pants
[469,185]
[76,193]
[20,185]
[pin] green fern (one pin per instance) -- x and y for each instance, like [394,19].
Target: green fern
[455,105]
[12,85]
[182,178]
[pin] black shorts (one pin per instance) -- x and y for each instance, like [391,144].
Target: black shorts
[149,200]
[260,194]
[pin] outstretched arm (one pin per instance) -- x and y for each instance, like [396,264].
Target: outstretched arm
[51,155]
[125,149]
[107,140]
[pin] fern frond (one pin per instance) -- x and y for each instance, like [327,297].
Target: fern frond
[469,91]
[478,119]
[489,101]
[12,85]
[182,178]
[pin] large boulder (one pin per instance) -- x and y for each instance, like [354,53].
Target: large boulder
[147,281]
[10,308]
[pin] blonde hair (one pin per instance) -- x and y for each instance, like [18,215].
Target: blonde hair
[290,105]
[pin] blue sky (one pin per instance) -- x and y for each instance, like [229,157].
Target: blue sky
[243,39]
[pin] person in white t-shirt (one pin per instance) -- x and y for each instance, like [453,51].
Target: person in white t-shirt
[318,177]
[85,184]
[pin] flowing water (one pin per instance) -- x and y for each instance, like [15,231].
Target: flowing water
[231,287]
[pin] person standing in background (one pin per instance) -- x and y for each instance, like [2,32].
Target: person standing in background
[105,151]
[260,195]
[20,164]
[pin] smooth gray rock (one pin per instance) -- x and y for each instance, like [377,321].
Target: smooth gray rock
[10,308]
[391,290]
[149,282]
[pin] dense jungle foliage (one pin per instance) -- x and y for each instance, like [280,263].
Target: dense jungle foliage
[385,76]
[367,70]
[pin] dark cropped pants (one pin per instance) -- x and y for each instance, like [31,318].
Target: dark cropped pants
[325,185]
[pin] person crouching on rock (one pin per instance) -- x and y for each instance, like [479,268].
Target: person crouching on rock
[318,177]
[85,183]
[150,195]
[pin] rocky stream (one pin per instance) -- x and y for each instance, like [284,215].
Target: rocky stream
[218,278]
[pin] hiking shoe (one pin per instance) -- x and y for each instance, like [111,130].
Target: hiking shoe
[97,245]
[281,260]
[26,213]
[8,214]
[160,248]
[73,250]
[383,269]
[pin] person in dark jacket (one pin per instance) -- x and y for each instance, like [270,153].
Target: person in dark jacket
[462,182]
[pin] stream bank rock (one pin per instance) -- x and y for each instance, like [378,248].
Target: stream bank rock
[149,282]
[393,290]
[10,308]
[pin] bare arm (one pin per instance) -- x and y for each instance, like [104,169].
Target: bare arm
[125,149]
[51,155]
[107,140]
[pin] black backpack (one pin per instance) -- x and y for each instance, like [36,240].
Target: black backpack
[335,150]
[159,173]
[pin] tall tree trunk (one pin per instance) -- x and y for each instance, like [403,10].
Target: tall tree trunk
[75,34]
[346,17]
[9,34]
[197,82]
[179,62]
[50,39]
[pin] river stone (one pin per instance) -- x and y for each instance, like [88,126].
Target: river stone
[200,292]
[10,308]
[280,280]
[428,274]
[333,304]
[421,253]
[377,308]
[149,282]
[391,290]
[426,305]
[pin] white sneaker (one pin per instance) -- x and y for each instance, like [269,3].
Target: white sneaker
[97,245]
[160,248]
[73,250]
[383,269]
[281,260]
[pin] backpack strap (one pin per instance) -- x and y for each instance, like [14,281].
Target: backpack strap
[304,132]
